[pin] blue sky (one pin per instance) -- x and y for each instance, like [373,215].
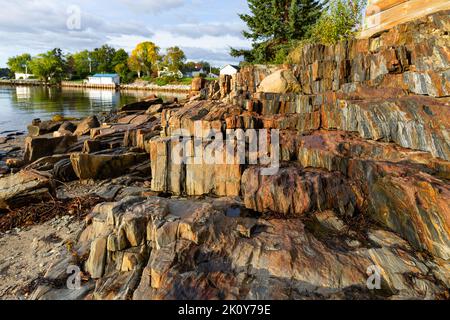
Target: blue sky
[204,29]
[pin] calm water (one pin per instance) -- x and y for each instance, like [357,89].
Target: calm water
[20,105]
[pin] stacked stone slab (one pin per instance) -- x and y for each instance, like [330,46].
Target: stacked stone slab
[412,57]
[192,178]
[390,89]
[363,182]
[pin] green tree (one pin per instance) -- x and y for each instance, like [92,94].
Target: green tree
[120,65]
[273,24]
[19,63]
[81,64]
[341,21]
[5,72]
[144,58]
[174,59]
[50,66]
[123,71]
[102,59]
[120,57]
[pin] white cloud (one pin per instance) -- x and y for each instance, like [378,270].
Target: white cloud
[152,6]
[212,48]
[36,26]
[199,30]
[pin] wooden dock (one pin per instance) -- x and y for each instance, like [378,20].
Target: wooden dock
[384,14]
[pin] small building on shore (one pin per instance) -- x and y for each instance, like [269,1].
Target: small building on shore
[23,76]
[197,73]
[104,79]
[229,70]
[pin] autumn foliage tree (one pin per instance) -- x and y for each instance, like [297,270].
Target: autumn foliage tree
[144,58]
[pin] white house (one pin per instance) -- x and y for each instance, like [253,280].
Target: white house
[104,79]
[229,70]
[23,76]
[197,73]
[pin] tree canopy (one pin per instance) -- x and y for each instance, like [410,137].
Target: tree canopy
[5,72]
[120,65]
[19,63]
[144,58]
[49,66]
[80,64]
[174,59]
[102,59]
[341,21]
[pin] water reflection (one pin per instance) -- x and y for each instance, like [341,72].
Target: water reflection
[104,96]
[20,105]
[23,93]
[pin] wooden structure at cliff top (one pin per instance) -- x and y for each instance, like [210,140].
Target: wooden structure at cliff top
[385,14]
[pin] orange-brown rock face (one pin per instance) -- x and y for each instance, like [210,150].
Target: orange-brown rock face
[184,249]
[362,184]
[294,191]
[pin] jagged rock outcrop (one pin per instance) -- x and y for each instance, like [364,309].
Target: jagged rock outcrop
[89,166]
[39,147]
[404,190]
[177,249]
[39,127]
[363,183]
[143,104]
[193,179]
[412,57]
[85,126]
[24,188]
[189,177]
[294,191]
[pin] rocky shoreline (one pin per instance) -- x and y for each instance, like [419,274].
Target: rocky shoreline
[362,189]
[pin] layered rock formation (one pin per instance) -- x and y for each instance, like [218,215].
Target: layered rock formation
[362,185]
[177,249]
[24,188]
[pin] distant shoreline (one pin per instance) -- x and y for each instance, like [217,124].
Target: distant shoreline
[124,87]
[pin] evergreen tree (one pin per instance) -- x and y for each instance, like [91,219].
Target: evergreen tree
[272,24]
